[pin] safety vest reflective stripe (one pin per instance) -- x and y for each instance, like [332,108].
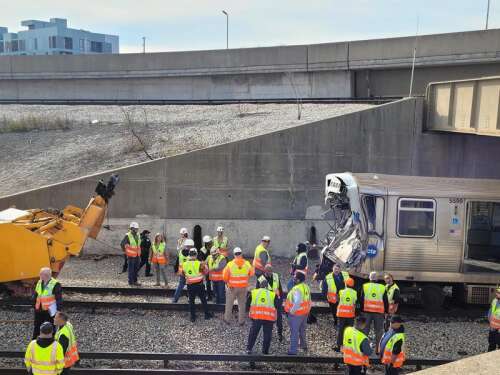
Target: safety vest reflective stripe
[305,298]
[133,248]
[45,297]
[374,297]
[297,260]
[71,356]
[389,346]
[158,253]
[262,305]
[192,271]
[347,302]
[332,288]
[351,347]
[239,276]
[212,264]
[390,297]
[257,263]
[494,315]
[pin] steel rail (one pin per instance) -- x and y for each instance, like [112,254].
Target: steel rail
[252,359]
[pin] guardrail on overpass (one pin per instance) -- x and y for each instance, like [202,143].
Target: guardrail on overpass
[465,106]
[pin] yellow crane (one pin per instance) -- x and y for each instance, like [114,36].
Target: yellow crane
[35,238]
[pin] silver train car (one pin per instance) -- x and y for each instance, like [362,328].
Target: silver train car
[436,236]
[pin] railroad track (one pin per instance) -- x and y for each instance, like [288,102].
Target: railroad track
[247,360]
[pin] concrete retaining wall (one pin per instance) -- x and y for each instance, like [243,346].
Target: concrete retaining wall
[321,70]
[273,183]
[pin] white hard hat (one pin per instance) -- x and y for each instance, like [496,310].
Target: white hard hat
[220,229]
[188,243]
[237,250]
[266,238]
[207,239]
[134,224]
[183,231]
[373,276]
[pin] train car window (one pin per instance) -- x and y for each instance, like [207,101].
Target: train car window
[374,210]
[416,217]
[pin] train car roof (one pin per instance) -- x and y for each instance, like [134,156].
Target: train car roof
[385,184]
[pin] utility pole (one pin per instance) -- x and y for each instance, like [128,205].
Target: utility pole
[143,44]
[227,28]
[487,15]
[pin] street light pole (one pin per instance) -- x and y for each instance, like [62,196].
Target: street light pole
[227,28]
[487,14]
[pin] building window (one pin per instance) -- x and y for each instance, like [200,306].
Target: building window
[107,47]
[22,45]
[14,45]
[7,46]
[68,43]
[35,44]
[96,47]
[81,44]
[52,42]
[1,46]
[416,217]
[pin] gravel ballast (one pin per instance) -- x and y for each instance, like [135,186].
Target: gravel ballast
[98,138]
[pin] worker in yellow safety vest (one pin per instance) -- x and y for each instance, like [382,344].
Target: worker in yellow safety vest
[391,346]
[221,242]
[194,272]
[373,301]
[48,299]
[44,356]
[182,256]
[494,319]
[298,307]
[393,298]
[65,336]
[236,276]
[356,347]
[216,264]
[263,313]
[261,256]
[274,284]
[346,310]
[131,246]
[333,283]
[159,258]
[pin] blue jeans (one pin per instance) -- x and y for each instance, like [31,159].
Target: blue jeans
[219,291]
[180,286]
[297,324]
[133,268]
[290,285]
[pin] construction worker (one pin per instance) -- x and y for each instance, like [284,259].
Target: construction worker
[48,299]
[182,256]
[216,264]
[221,242]
[131,246]
[393,298]
[333,283]
[159,258]
[145,250]
[263,313]
[494,319]
[299,263]
[298,306]
[183,237]
[65,336]
[261,256]
[203,256]
[391,346]
[236,276]
[274,284]
[346,310]
[44,355]
[194,272]
[356,347]
[373,301]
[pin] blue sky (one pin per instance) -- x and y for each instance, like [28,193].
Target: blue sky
[199,24]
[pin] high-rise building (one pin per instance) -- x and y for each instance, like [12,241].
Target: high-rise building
[55,38]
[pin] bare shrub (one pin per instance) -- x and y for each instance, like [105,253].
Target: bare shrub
[30,123]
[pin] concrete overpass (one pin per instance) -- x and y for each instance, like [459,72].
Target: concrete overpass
[356,69]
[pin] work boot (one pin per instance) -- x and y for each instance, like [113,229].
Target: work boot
[149,275]
[137,284]
[208,316]
[193,319]
[280,337]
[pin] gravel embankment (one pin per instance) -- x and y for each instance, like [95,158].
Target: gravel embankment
[99,137]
